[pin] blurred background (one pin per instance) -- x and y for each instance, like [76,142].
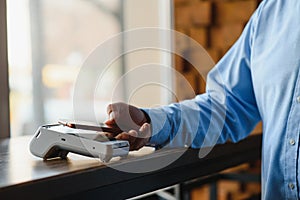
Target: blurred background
[49,40]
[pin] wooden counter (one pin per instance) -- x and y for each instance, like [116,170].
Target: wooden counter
[79,177]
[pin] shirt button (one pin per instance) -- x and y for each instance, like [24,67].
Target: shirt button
[291,186]
[292,142]
[298,99]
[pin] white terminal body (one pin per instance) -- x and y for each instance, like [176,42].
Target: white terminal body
[51,141]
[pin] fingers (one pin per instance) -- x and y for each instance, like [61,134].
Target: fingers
[111,118]
[119,115]
[127,136]
[109,109]
[116,108]
[113,113]
[136,139]
[144,136]
[145,130]
[130,119]
[109,135]
[131,137]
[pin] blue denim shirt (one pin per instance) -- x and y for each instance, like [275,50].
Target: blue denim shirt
[258,79]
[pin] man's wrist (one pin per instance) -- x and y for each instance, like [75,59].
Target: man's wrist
[146,119]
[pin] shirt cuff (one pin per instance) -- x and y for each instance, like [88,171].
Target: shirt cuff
[159,126]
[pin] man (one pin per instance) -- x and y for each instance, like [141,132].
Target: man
[261,79]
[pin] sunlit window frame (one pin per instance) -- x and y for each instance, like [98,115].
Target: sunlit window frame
[4,86]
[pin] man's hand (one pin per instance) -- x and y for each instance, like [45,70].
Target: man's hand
[136,139]
[132,121]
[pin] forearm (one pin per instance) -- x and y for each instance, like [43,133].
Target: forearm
[203,121]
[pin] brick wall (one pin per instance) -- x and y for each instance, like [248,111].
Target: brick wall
[216,25]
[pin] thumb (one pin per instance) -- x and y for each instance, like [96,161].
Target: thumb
[111,118]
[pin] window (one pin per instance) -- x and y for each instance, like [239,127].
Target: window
[48,40]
